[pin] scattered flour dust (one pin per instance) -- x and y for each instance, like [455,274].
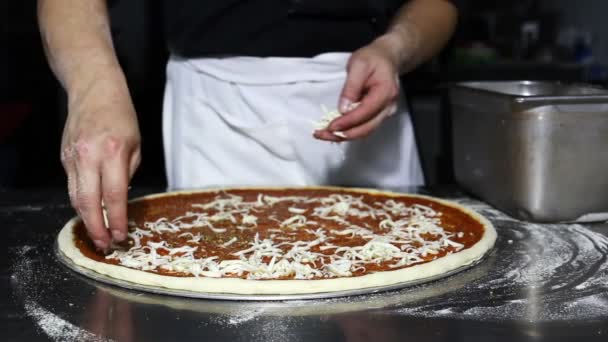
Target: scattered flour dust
[245,316]
[272,327]
[541,272]
[55,327]
[273,321]
[27,270]
[590,306]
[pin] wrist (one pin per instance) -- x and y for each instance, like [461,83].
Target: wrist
[102,83]
[79,77]
[401,42]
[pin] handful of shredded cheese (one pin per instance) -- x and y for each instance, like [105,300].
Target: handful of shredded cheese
[329,116]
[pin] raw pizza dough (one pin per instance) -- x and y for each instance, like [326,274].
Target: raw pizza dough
[442,265]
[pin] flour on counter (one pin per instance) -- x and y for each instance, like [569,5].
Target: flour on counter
[244,316]
[57,328]
[26,273]
[545,272]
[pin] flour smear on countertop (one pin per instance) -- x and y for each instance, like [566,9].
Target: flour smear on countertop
[27,275]
[543,272]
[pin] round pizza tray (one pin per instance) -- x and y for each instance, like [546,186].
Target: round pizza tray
[249,297]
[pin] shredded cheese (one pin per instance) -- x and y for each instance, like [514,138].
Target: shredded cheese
[398,239]
[329,116]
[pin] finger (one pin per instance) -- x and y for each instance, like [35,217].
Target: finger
[134,162]
[377,99]
[366,128]
[357,74]
[67,161]
[89,205]
[326,135]
[114,185]
[72,184]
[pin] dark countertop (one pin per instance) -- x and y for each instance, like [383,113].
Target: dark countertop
[541,283]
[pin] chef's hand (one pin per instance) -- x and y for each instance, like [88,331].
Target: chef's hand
[373,82]
[100,151]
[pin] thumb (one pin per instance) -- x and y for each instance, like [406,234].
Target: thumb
[357,74]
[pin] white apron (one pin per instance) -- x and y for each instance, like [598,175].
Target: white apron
[248,121]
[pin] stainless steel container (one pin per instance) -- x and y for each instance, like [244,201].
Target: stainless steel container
[535,150]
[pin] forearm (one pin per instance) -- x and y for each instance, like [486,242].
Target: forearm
[78,44]
[419,31]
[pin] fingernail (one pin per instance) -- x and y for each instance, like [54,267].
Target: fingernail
[344,105]
[101,244]
[392,110]
[118,235]
[340,134]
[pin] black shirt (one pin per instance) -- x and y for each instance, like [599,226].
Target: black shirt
[282,28]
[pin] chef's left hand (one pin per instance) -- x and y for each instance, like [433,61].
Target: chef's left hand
[373,81]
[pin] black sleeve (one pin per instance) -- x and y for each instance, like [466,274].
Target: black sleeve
[111,3]
[332,9]
[459,4]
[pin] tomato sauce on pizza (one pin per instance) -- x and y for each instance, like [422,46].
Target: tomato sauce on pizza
[286,234]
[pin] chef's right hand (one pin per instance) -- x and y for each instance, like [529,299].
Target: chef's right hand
[100,151]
